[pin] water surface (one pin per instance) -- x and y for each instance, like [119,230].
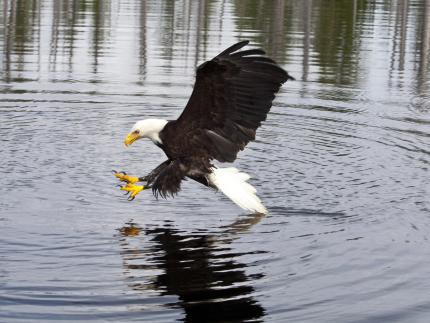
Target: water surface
[342,164]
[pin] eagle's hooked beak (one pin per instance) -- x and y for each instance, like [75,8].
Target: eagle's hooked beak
[130,138]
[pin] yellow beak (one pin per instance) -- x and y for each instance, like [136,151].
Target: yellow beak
[130,138]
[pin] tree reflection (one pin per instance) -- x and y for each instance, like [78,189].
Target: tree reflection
[21,21]
[424,52]
[200,268]
[325,34]
[337,38]
[143,13]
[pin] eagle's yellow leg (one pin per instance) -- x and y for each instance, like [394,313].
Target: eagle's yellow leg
[132,190]
[123,177]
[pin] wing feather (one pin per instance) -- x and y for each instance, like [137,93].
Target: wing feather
[231,97]
[233,48]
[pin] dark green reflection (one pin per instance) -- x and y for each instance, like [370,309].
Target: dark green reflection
[327,34]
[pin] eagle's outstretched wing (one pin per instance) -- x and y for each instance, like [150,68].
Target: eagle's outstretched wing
[232,95]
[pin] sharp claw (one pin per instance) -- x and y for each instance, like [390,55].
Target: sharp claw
[123,177]
[131,190]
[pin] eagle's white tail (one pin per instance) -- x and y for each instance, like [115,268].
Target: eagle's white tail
[233,184]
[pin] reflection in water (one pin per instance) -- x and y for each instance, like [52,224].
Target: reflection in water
[332,31]
[143,12]
[333,47]
[200,268]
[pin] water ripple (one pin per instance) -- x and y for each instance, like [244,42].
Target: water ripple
[341,163]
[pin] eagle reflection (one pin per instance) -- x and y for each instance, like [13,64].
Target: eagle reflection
[201,269]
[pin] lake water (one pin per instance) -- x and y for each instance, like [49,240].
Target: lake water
[342,164]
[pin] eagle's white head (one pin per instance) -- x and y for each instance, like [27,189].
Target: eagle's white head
[148,128]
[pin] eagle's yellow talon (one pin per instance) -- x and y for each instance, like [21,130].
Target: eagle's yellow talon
[132,189]
[126,178]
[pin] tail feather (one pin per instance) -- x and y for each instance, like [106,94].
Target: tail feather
[233,184]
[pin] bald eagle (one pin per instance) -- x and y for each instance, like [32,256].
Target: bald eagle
[232,95]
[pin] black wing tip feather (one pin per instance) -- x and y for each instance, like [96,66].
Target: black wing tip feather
[289,77]
[232,52]
[234,48]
